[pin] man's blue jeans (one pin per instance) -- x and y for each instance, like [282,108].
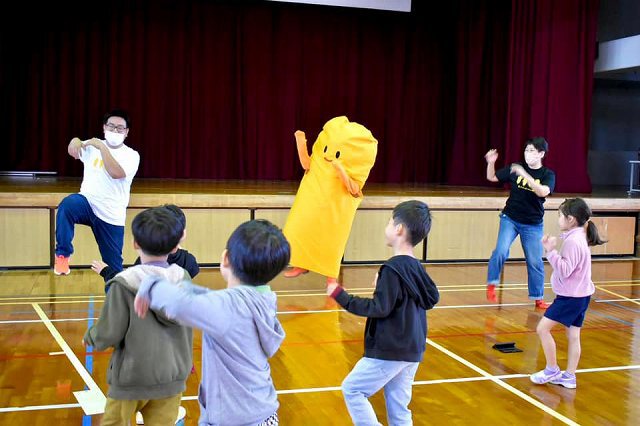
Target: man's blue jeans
[531,239]
[369,376]
[75,209]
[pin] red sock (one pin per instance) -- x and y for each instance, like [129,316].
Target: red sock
[491,293]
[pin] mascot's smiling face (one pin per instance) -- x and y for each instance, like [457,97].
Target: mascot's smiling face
[350,143]
[327,155]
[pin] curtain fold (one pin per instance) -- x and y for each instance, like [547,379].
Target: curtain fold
[552,52]
[216,89]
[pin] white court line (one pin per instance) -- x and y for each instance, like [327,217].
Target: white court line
[447,288]
[93,400]
[319,311]
[616,300]
[618,295]
[337,388]
[328,311]
[38,407]
[56,353]
[504,385]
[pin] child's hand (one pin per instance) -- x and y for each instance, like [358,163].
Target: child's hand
[141,305]
[97,266]
[331,287]
[491,156]
[549,243]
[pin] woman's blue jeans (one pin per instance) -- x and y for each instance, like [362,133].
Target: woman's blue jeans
[531,239]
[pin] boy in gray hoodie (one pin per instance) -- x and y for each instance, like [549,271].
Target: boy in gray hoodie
[240,328]
[152,356]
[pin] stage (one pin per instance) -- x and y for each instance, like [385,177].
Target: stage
[464,227]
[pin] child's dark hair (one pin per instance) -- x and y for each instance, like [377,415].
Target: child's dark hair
[416,217]
[539,143]
[157,231]
[579,209]
[257,251]
[117,113]
[179,214]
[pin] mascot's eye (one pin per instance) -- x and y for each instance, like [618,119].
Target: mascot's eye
[325,148]
[337,154]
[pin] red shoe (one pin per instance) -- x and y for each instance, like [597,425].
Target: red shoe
[295,272]
[61,266]
[541,304]
[491,293]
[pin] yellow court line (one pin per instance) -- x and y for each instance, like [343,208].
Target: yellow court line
[92,400]
[506,386]
[53,302]
[618,295]
[36,298]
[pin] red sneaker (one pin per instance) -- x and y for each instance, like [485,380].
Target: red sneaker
[491,293]
[61,266]
[541,304]
[295,272]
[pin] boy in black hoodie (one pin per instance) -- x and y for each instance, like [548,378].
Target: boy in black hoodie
[396,329]
[178,256]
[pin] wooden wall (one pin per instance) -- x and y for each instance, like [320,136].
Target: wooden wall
[27,235]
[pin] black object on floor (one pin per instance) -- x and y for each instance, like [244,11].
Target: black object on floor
[506,348]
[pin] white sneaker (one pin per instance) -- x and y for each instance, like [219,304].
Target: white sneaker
[182,413]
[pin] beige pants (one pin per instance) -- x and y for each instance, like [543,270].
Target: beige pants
[156,412]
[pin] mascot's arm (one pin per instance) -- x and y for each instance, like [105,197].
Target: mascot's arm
[352,186]
[303,155]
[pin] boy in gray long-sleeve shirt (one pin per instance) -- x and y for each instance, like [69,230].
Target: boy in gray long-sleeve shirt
[240,328]
[152,357]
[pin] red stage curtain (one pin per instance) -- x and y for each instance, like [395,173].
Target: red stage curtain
[217,88]
[552,51]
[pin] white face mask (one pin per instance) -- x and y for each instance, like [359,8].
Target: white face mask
[113,138]
[530,158]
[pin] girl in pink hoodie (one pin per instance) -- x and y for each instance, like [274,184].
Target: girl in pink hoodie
[571,282]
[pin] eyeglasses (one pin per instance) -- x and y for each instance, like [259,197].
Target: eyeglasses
[531,151]
[111,127]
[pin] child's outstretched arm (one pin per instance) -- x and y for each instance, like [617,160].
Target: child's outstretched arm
[301,144]
[105,271]
[380,306]
[352,186]
[185,303]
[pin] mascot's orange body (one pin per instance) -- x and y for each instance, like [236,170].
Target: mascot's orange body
[330,192]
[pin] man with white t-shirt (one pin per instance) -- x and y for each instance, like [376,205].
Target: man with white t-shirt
[109,168]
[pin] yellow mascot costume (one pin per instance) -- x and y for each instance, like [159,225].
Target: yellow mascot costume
[330,192]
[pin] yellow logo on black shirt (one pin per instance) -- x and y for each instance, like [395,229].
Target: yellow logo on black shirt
[524,184]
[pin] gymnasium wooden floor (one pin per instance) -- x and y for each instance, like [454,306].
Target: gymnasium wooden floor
[462,380]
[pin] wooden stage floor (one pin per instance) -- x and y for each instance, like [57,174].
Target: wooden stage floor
[461,380]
